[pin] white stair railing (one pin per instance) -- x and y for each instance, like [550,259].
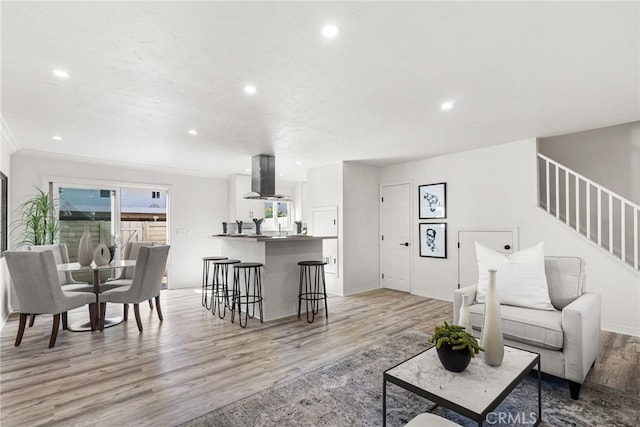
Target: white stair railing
[598,214]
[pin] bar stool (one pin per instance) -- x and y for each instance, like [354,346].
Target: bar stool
[220,286]
[250,296]
[206,263]
[309,289]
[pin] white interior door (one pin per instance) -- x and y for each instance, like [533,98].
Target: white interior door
[500,240]
[395,257]
[325,223]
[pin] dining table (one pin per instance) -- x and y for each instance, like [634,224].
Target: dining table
[82,326]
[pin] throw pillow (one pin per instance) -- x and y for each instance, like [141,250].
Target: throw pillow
[520,277]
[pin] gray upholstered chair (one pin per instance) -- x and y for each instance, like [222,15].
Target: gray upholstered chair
[61,256]
[567,338]
[125,277]
[67,282]
[36,282]
[145,285]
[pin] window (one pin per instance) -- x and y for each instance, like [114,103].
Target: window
[277,214]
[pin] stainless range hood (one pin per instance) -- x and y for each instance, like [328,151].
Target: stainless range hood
[263,179]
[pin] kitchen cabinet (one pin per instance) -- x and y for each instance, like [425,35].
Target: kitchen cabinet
[240,208]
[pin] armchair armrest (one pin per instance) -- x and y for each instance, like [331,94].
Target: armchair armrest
[470,291]
[581,326]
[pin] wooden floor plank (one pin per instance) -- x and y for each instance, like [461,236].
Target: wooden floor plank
[194,362]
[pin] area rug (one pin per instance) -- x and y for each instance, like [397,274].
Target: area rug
[348,392]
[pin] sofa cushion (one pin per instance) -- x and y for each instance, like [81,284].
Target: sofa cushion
[520,277]
[540,328]
[565,278]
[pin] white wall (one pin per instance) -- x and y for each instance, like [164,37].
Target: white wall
[361,234]
[197,205]
[497,187]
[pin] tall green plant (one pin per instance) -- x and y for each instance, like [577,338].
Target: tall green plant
[37,223]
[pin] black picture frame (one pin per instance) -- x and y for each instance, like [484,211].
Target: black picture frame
[3,213]
[432,201]
[433,240]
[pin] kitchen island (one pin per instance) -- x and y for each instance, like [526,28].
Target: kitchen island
[280,257]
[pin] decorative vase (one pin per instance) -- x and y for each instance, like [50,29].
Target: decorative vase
[239,224]
[453,360]
[101,255]
[492,340]
[224,228]
[298,227]
[463,316]
[85,248]
[112,254]
[258,223]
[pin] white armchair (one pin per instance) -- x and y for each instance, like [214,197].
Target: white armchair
[567,339]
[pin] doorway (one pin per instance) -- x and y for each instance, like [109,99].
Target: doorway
[395,245]
[113,214]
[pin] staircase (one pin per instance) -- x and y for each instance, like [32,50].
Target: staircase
[596,213]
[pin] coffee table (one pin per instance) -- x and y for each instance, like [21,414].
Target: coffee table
[473,393]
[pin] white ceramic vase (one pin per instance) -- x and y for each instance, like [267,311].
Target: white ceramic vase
[463,315]
[101,255]
[491,339]
[85,248]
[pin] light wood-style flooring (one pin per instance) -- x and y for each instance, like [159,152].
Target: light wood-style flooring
[193,362]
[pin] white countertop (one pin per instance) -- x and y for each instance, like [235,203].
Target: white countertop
[264,238]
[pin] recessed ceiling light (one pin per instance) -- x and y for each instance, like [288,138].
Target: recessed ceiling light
[250,89]
[60,73]
[298,163]
[247,170]
[57,137]
[280,174]
[446,105]
[193,132]
[330,31]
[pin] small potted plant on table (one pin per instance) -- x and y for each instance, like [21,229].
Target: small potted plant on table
[455,347]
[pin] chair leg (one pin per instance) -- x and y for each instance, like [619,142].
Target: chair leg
[158,308]
[574,388]
[126,312]
[136,311]
[65,324]
[103,312]
[23,323]
[150,304]
[54,330]
[32,319]
[93,316]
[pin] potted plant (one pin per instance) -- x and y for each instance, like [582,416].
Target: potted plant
[455,346]
[36,220]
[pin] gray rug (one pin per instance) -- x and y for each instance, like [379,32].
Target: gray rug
[348,392]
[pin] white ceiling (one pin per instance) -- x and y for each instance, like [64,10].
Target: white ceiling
[143,73]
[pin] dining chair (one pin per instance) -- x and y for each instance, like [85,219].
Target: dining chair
[36,282]
[67,282]
[145,285]
[125,277]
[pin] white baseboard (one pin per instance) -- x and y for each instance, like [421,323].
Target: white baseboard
[621,329]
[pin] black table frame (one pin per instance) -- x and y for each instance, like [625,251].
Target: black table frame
[479,417]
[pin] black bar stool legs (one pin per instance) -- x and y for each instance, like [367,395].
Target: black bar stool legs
[310,288]
[220,291]
[250,273]
[206,286]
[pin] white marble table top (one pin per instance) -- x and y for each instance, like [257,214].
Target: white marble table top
[475,388]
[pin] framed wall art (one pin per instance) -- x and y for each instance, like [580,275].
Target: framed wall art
[432,201]
[433,240]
